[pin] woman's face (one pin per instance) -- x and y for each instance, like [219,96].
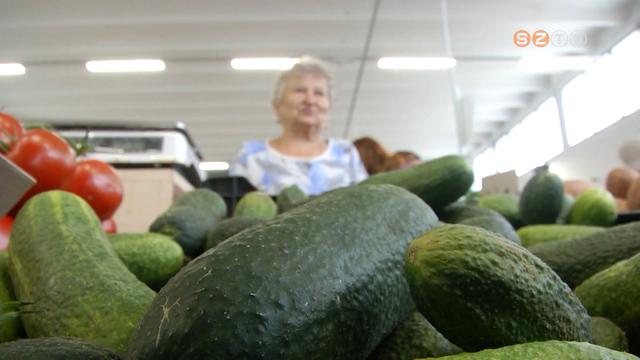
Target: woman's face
[304,101]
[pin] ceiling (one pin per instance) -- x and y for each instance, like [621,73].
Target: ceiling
[430,112]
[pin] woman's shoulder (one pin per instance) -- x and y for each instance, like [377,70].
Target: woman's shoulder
[254,146]
[341,147]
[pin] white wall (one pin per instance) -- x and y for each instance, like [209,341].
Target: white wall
[593,158]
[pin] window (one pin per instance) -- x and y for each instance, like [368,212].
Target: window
[605,93]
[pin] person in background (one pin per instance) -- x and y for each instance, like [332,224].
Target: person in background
[373,154]
[302,154]
[402,160]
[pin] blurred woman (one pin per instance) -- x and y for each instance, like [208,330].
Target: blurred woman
[302,154]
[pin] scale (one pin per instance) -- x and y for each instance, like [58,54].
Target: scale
[140,147]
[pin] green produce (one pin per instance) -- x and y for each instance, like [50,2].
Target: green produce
[186,225]
[290,197]
[575,260]
[614,293]
[541,199]
[256,204]
[438,182]
[506,205]
[55,348]
[483,291]
[229,227]
[565,210]
[414,338]
[607,334]
[594,207]
[152,258]
[319,281]
[537,234]
[547,350]
[497,224]
[62,262]
[10,326]
[205,200]
[458,212]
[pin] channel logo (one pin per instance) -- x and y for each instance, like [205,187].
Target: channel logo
[541,38]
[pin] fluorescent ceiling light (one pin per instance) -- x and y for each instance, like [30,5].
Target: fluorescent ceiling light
[12,69]
[213,165]
[554,64]
[263,63]
[135,65]
[416,63]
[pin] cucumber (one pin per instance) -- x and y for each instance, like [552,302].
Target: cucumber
[481,290]
[606,333]
[186,225]
[10,326]
[414,338]
[152,258]
[55,348]
[438,182]
[227,228]
[62,262]
[577,259]
[319,281]
[545,350]
[256,204]
[206,201]
[290,197]
[542,198]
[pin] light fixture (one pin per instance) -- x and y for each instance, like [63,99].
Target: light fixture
[263,63]
[213,165]
[416,63]
[134,65]
[8,69]
[554,63]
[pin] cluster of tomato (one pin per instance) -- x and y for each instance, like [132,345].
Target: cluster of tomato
[52,161]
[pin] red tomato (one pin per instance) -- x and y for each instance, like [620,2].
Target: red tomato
[10,132]
[45,156]
[109,226]
[6,222]
[98,183]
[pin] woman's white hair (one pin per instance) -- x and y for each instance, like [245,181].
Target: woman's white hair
[306,65]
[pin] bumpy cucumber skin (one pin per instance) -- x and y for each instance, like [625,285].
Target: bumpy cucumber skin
[414,338]
[575,260]
[541,199]
[438,182]
[532,235]
[565,350]
[55,348]
[483,291]
[227,228]
[207,201]
[606,333]
[614,293]
[322,281]
[61,260]
[152,258]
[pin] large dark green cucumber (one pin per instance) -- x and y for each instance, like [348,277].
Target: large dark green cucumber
[322,281]
[55,348]
[61,260]
[542,198]
[438,182]
[577,259]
